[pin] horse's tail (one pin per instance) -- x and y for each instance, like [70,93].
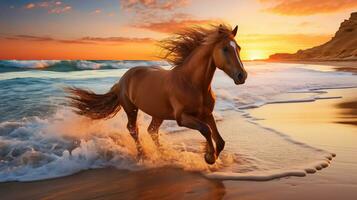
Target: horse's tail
[94,106]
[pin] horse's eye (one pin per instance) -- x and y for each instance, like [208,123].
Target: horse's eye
[225,49]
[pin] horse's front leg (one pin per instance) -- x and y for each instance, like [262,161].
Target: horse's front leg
[220,143]
[153,130]
[195,123]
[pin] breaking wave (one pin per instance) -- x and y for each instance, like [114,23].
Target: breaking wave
[73,65]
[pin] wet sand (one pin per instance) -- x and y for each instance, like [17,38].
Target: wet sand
[110,183]
[343,66]
[326,123]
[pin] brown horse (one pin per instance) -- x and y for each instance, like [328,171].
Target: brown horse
[183,93]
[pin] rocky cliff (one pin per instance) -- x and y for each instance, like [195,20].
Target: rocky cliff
[343,46]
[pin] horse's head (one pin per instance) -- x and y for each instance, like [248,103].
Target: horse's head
[226,57]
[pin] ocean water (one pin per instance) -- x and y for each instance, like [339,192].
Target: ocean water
[41,138]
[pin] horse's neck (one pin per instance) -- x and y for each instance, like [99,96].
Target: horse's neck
[200,68]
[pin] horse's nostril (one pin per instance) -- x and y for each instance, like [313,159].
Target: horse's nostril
[240,76]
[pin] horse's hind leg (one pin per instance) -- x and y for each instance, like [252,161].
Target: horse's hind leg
[132,113]
[153,130]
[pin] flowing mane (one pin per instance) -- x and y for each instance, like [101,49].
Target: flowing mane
[181,44]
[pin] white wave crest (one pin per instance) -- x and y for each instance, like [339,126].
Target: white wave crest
[30,64]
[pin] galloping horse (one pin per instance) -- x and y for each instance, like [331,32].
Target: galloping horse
[183,93]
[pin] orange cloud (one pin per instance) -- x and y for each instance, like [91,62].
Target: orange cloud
[172,25]
[308,7]
[117,40]
[52,7]
[95,48]
[305,24]
[84,40]
[160,15]
[30,6]
[20,49]
[153,4]
[97,11]
[59,10]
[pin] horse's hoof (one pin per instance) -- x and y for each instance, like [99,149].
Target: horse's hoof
[141,154]
[220,147]
[210,158]
[158,144]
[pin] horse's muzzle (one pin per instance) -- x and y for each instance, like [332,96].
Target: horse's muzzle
[240,78]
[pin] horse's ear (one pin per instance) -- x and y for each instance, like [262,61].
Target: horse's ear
[220,29]
[234,32]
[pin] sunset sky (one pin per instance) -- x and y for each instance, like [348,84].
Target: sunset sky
[128,29]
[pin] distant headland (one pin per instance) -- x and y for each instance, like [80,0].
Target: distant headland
[341,47]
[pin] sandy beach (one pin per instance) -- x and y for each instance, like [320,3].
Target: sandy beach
[328,123]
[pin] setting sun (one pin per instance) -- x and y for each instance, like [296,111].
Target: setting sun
[255,55]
